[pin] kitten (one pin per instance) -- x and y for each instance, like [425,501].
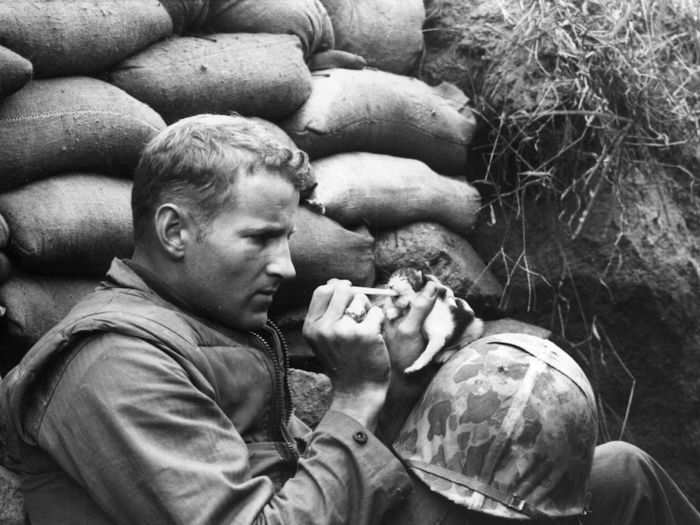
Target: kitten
[450,321]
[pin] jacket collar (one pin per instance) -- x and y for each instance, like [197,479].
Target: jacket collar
[124,273]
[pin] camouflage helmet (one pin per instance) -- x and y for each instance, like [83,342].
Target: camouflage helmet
[507,427]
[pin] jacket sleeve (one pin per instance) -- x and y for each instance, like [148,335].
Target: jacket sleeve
[126,424]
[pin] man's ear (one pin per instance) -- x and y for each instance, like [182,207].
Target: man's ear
[173,229]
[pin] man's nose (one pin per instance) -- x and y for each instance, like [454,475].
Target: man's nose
[281,262]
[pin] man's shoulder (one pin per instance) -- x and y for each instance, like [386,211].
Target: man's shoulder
[101,357]
[128,312]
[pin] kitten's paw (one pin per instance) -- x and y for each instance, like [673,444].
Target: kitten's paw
[444,356]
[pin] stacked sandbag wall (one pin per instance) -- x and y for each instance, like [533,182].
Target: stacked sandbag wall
[85,85]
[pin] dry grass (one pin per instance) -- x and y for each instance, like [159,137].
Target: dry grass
[574,91]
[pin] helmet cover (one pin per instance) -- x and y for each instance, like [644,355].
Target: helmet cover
[507,427]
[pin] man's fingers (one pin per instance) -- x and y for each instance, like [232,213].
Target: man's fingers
[322,297]
[374,318]
[358,307]
[319,301]
[340,299]
[421,305]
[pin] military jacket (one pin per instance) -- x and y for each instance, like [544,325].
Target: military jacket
[132,410]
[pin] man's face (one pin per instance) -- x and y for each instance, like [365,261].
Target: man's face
[235,268]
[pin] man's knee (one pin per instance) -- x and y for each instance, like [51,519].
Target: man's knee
[620,470]
[621,457]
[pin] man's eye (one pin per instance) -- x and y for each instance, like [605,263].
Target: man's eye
[260,239]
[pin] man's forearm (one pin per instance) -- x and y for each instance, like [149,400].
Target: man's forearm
[362,406]
[405,390]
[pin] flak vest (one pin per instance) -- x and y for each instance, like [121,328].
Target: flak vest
[206,354]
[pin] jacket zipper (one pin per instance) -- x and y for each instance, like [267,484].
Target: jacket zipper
[282,397]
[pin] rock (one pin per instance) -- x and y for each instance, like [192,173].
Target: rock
[11,500]
[448,256]
[311,395]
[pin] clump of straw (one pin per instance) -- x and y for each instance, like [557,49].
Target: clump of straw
[576,92]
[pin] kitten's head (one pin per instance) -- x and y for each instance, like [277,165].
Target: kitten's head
[410,279]
[407,278]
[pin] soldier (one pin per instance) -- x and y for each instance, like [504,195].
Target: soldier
[162,397]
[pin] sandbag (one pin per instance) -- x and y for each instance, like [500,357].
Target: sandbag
[445,254]
[83,221]
[276,133]
[379,112]
[252,74]
[187,15]
[5,267]
[80,37]
[34,304]
[388,33]
[335,58]
[4,233]
[71,124]
[322,249]
[306,19]
[15,71]
[382,192]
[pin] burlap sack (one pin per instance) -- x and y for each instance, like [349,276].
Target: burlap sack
[252,74]
[34,303]
[80,37]
[380,112]
[71,124]
[308,182]
[322,249]
[388,33]
[381,192]
[306,19]
[82,223]
[187,15]
[15,71]
[445,254]
[4,233]
[5,267]
[335,58]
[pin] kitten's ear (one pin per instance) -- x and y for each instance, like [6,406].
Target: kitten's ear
[424,278]
[441,288]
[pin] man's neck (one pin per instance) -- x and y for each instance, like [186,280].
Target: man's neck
[155,281]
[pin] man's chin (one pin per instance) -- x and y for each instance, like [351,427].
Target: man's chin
[251,322]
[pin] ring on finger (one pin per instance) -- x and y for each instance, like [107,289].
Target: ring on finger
[353,315]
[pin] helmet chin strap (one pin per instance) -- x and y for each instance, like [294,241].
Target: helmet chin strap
[511,501]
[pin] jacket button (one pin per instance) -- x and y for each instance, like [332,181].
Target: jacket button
[360,437]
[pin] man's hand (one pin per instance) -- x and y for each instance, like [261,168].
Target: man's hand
[404,336]
[405,342]
[353,353]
